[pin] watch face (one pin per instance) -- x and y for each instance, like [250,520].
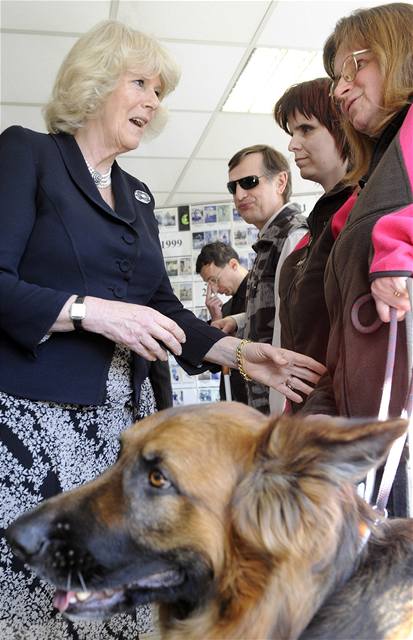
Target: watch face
[78,311]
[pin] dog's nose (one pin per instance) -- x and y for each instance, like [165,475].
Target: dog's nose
[28,533]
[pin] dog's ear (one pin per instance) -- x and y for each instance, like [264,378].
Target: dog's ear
[298,462]
[344,449]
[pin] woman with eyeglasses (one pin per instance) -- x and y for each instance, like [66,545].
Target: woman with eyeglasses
[369,57]
[307,113]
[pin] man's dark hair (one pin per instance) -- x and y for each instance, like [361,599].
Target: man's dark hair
[273,162]
[217,252]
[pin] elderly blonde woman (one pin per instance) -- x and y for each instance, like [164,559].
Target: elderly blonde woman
[85,299]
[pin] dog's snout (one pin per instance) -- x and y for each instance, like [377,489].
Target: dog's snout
[43,540]
[27,536]
[32,531]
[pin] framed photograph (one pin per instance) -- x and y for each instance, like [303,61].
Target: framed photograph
[167,218]
[240,237]
[210,214]
[185,266]
[211,236]
[177,397]
[185,291]
[171,267]
[175,377]
[198,240]
[224,212]
[205,395]
[197,215]
[224,235]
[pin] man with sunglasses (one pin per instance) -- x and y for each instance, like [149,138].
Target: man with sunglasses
[260,182]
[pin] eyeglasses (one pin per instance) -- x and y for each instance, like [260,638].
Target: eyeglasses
[247,183]
[215,279]
[349,69]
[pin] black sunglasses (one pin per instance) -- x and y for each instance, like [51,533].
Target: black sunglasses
[249,182]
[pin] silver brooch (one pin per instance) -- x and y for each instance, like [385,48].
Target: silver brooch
[142,196]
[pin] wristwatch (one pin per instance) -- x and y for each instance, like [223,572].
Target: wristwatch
[77,312]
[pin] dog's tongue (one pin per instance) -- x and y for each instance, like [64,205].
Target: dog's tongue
[62,599]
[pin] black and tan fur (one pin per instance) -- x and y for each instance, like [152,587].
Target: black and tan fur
[241,527]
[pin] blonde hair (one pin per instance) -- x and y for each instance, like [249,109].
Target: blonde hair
[387,31]
[92,68]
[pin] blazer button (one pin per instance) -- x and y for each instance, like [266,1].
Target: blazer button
[124,265]
[119,292]
[128,237]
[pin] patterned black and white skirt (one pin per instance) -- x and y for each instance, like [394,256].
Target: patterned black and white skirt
[46,448]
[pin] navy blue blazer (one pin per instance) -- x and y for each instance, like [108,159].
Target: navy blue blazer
[58,238]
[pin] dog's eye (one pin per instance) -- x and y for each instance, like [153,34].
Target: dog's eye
[158,480]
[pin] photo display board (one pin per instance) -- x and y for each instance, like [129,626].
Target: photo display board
[184,230]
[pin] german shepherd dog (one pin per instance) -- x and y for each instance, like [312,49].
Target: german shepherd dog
[241,527]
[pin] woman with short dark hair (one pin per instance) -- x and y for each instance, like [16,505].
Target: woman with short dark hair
[321,152]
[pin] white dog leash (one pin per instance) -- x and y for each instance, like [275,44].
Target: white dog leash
[393,459]
[385,396]
[227,383]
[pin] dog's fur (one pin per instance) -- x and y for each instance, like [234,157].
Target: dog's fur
[241,527]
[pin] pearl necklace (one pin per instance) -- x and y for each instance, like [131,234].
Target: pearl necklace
[101,180]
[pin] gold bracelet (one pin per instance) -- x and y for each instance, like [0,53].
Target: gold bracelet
[240,362]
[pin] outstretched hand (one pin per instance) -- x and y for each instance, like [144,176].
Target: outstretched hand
[390,291]
[286,371]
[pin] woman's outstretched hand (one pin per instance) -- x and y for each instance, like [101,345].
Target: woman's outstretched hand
[286,371]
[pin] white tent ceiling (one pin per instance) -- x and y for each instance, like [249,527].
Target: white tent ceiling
[211,41]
